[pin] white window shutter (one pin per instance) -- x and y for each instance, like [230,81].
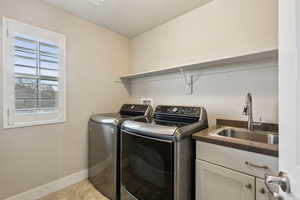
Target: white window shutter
[34,76]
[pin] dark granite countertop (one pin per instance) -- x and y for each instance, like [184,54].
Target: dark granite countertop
[256,147]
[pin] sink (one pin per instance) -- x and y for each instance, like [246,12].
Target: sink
[266,138]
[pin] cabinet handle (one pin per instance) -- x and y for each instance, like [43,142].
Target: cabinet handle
[262,191]
[248,186]
[256,166]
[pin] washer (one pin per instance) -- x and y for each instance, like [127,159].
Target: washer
[104,147]
[157,157]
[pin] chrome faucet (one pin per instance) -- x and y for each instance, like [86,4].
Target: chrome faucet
[248,111]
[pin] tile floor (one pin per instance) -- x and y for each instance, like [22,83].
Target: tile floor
[83,190]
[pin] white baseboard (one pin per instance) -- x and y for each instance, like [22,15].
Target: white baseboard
[51,187]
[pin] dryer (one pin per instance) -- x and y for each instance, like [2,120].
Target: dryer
[157,157]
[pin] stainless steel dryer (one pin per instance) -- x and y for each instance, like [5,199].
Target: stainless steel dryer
[157,158]
[104,147]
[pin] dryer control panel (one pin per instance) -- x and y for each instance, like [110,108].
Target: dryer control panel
[178,110]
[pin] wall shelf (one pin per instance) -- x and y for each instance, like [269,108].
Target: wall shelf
[270,54]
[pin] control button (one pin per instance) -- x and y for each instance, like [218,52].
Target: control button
[132,107]
[175,109]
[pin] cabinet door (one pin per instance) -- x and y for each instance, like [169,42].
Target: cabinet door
[262,192]
[214,182]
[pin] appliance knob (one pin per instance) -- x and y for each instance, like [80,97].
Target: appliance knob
[175,109]
[132,107]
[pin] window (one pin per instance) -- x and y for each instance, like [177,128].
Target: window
[33,75]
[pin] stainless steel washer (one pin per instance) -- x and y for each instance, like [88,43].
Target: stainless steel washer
[104,147]
[157,158]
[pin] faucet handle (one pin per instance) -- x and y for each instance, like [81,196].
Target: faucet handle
[245,110]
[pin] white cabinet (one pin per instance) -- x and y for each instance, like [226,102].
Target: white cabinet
[236,159]
[214,182]
[224,173]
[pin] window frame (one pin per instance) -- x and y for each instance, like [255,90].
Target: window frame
[11,119]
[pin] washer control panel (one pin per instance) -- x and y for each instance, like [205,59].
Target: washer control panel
[134,109]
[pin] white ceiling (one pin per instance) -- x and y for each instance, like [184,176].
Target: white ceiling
[128,17]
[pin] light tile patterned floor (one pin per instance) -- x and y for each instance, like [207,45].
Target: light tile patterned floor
[83,190]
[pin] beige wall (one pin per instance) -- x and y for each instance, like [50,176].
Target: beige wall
[96,57]
[221,28]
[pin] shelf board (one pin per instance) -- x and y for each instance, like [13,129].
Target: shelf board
[273,53]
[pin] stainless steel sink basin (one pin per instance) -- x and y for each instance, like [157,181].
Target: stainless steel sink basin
[266,138]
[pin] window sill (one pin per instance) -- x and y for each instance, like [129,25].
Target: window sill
[34,123]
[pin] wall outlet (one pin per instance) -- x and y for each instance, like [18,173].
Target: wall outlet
[147,102]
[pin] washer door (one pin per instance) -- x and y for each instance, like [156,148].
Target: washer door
[147,167]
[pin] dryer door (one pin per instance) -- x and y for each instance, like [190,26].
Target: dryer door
[147,167]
